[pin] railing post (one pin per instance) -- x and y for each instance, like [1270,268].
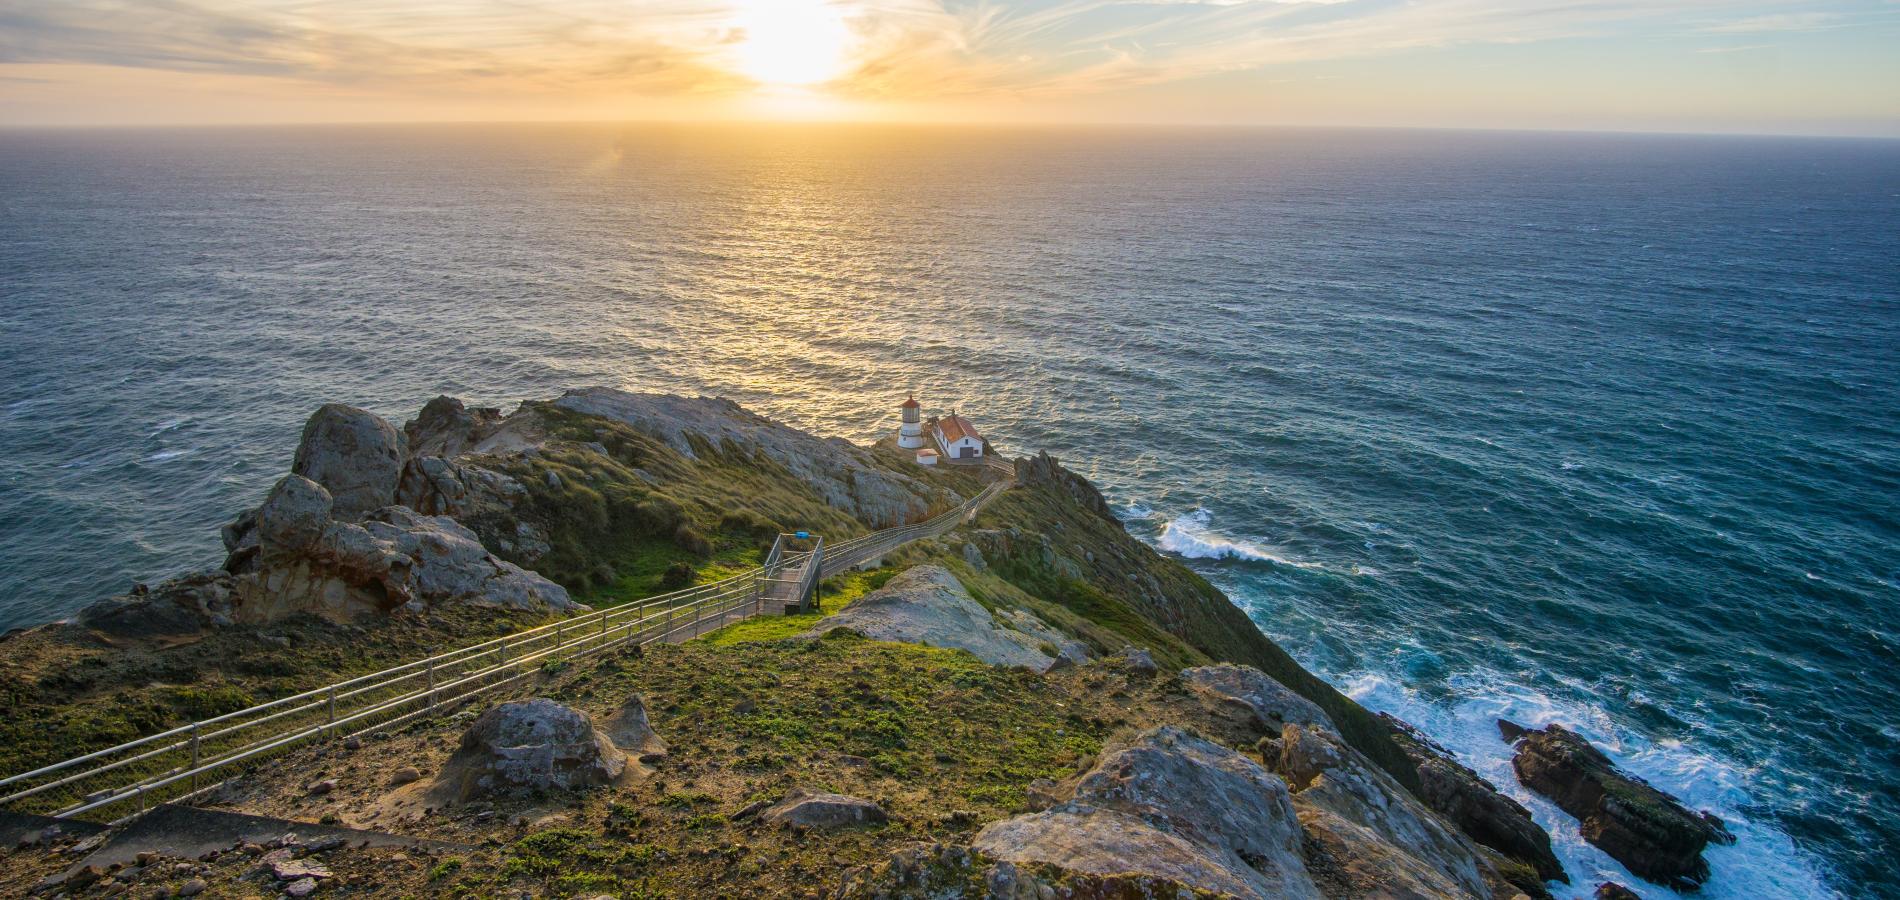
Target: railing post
[557,634]
[194,757]
[332,708]
[504,651]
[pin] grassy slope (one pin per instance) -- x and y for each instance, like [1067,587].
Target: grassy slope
[944,742]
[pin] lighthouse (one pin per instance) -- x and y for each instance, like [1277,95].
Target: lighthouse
[910,435]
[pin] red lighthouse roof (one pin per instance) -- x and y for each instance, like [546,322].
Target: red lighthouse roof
[911,403]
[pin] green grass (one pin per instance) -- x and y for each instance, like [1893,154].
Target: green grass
[837,592]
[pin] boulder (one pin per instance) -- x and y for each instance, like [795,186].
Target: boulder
[293,518]
[805,809]
[1610,890]
[526,747]
[179,608]
[1170,806]
[1474,805]
[1270,704]
[927,605]
[355,455]
[446,428]
[1648,831]
[1138,660]
[633,734]
[1334,783]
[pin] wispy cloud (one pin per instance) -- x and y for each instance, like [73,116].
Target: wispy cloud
[1804,21]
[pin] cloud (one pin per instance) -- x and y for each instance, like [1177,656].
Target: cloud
[1808,21]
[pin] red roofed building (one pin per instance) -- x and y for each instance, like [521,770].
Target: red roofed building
[956,437]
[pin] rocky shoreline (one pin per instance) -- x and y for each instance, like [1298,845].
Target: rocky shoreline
[1207,760]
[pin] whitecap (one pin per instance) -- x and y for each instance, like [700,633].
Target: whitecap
[1763,862]
[1190,536]
[163,455]
[1568,465]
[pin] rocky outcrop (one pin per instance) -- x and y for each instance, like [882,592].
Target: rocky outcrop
[355,455]
[309,562]
[836,470]
[1648,831]
[447,428]
[1474,805]
[805,809]
[1610,890]
[1170,807]
[1355,807]
[1043,469]
[1268,703]
[177,608]
[927,605]
[527,747]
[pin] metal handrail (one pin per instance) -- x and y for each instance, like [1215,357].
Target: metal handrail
[368,701]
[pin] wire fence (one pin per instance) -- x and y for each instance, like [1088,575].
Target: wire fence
[186,762]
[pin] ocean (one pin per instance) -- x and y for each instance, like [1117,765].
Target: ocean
[1591,429]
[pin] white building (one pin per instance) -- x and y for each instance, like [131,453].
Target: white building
[956,437]
[910,434]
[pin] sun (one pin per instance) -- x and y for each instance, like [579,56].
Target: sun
[789,42]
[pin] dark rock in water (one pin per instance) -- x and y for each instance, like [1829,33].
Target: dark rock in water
[1045,469]
[821,810]
[530,746]
[1610,890]
[355,455]
[1646,830]
[1474,804]
[1511,731]
[180,607]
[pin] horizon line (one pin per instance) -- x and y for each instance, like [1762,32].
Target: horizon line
[1894,135]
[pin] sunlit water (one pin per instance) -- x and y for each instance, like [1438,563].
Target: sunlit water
[1598,430]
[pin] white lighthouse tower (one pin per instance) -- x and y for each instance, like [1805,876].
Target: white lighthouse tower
[910,435]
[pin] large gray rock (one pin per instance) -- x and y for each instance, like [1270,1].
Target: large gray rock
[346,570]
[1271,704]
[823,810]
[927,605]
[837,470]
[355,455]
[294,517]
[529,746]
[1355,803]
[1172,806]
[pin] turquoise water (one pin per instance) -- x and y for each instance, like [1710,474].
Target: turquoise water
[1591,429]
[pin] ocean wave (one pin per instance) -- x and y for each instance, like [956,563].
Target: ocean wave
[1763,862]
[1190,536]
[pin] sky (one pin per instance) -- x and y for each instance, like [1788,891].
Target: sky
[1830,68]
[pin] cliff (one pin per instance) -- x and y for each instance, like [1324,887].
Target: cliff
[1005,698]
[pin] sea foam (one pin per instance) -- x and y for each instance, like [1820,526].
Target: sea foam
[1190,535]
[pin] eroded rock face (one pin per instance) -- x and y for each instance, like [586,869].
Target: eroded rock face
[837,470]
[344,570]
[927,605]
[355,455]
[526,747]
[1172,806]
[1332,781]
[1271,704]
[1646,830]
[806,809]
[1475,806]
